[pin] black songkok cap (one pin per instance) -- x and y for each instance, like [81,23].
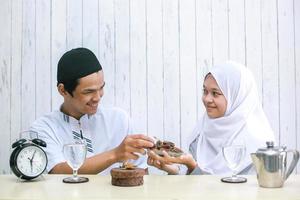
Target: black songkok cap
[75,64]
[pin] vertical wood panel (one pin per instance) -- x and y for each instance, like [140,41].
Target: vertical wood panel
[138,76]
[203,47]
[90,23]
[253,41]
[220,30]
[58,45]
[236,15]
[16,64]
[270,63]
[106,49]
[188,75]
[171,71]
[154,68]
[74,24]
[122,50]
[287,73]
[28,95]
[43,68]
[297,68]
[5,84]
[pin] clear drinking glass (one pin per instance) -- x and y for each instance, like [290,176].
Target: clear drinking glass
[75,154]
[234,153]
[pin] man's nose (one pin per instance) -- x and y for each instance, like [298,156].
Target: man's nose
[97,96]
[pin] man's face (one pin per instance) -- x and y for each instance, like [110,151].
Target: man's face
[213,98]
[86,95]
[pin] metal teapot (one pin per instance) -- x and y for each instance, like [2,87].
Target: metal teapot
[271,165]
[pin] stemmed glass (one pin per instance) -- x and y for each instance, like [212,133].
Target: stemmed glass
[234,153]
[75,154]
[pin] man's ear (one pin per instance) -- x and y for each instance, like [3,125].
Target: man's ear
[61,89]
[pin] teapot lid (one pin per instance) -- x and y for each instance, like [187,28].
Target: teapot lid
[271,149]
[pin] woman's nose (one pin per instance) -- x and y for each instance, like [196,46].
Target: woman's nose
[208,98]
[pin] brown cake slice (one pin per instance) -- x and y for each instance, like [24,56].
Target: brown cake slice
[167,146]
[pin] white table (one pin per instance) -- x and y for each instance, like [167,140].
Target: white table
[155,187]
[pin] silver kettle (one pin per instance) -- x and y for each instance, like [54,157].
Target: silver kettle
[271,165]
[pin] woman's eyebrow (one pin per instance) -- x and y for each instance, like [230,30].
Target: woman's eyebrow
[213,89]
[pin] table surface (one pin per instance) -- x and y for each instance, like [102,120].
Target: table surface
[155,187]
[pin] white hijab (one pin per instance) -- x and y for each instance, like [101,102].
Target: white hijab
[244,118]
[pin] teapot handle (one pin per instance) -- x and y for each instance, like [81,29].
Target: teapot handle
[293,163]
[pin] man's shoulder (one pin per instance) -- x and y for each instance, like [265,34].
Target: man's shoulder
[48,118]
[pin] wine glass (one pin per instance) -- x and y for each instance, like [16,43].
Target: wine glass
[75,154]
[234,153]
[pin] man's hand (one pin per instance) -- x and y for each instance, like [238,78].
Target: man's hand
[131,146]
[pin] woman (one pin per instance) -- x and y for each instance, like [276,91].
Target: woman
[233,112]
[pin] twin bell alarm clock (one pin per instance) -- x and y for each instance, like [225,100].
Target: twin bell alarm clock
[28,160]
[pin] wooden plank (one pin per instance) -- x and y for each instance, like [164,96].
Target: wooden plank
[90,21]
[138,73]
[5,84]
[253,41]
[28,78]
[171,71]
[16,64]
[203,47]
[297,67]
[287,73]
[74,24]
[188,75]
[220,31]
[270,96]
[155,69]
[122,53]
[106,49]
[236,16]
[58,45]
[43,60]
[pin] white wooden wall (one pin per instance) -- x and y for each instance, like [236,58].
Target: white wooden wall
[154,54]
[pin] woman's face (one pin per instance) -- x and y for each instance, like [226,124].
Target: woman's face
[213,98]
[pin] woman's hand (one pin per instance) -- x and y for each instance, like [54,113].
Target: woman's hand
[170,168]
[153,160]
[164,162]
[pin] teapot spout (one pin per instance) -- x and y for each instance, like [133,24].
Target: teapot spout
[255,161]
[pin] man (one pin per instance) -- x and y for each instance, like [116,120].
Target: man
[106,132]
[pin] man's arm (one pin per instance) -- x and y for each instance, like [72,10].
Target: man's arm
[131,145]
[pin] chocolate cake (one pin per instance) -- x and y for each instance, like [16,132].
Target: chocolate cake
[127,176]
[167,146]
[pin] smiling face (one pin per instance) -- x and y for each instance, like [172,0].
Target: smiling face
[86,95]
[213,98]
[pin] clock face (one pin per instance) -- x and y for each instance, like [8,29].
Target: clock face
[31,161]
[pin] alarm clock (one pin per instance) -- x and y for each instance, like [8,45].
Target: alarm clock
[28,160]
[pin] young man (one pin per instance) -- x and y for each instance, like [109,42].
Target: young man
[106,132]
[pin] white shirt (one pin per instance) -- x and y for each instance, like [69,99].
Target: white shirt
[244,119]
[102,131]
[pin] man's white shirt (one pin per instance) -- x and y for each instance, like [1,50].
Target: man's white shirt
[102,132]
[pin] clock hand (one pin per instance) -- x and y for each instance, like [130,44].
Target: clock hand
[33,156]
[31,164]
[31,167]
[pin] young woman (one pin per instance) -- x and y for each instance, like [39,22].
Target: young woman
[233,112]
